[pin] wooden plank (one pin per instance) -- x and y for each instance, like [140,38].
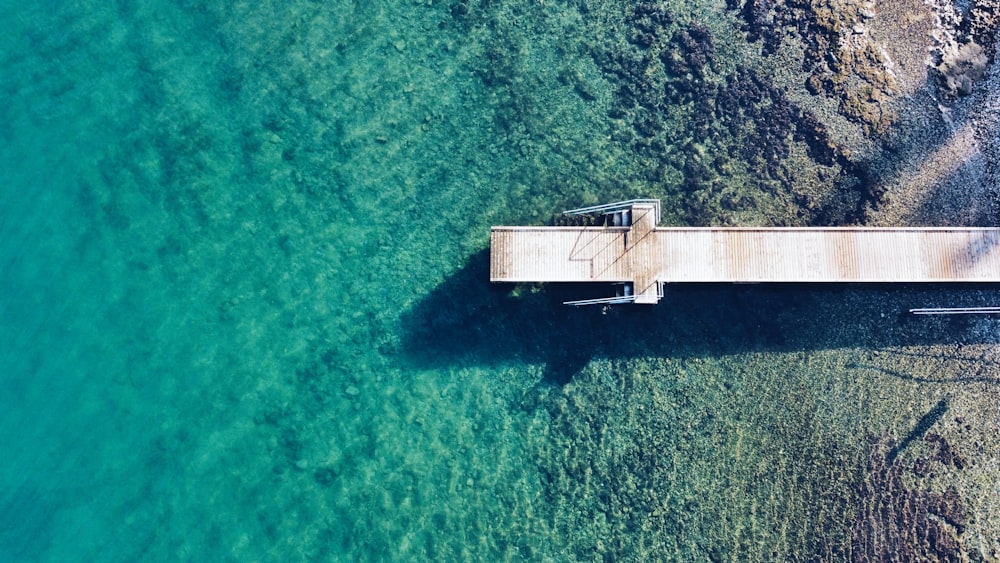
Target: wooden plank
[829,255]
[556,254]
[643,252]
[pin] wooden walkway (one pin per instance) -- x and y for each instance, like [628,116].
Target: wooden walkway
[647,256]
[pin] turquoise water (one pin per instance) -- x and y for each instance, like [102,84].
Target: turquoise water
[246,316]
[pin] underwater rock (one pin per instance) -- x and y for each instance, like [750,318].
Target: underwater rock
[966,46]
[945,454]
[325,476]
[842,61]
[721,143]
[982,25]
[689,53]
[959,67]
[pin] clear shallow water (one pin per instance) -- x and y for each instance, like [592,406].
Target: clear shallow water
[212,219]
[245,312]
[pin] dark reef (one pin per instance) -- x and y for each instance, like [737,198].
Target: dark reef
[839,59]
[843,64]
[981,25]
[899,523]
[957,68]
[689,122]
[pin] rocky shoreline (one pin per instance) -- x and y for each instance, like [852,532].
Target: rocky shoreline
[914,142]
[915,78]
[920,80]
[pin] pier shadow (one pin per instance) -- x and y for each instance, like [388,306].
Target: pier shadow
[981,246]
[469,320]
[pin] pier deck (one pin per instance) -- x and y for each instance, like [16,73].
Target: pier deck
[646,255]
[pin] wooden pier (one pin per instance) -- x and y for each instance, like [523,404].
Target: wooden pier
[642,257]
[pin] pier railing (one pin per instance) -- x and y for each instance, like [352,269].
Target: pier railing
[615,207]
[956,311]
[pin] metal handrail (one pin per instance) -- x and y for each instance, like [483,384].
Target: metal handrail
[602,301]
[955,311]
[610,207]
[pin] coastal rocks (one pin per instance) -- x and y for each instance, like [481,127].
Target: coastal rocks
[649,20]
[840,57]
[965,45]
[982,25]
[760,21]
[729,146]
[960,68]
[899,522]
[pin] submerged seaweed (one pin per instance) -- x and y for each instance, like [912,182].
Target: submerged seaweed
[899,521]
